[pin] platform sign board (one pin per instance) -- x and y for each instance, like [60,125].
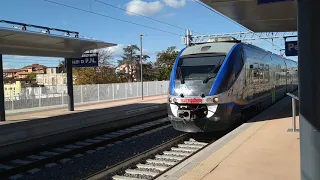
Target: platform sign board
[291,48]
[271,1]
[85,61]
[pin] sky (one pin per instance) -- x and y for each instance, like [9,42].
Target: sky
[110,23]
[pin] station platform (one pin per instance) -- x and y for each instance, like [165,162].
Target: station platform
[28,130]
[259,149]
[45,113]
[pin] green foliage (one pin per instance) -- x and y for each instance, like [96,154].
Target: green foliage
[105,73]
[31,76]
[164,63]
[129,59]
[99,75]
[102,74]
[148,72]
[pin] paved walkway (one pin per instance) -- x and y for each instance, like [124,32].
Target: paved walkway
[260,150]
[62,111]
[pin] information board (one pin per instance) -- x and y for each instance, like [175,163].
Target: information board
[292,48]
[85,62]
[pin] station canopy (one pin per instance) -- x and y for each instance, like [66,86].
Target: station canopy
[29,43]
[270,17]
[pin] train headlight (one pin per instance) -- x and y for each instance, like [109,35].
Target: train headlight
[174,100]
[215,99]
[209,100]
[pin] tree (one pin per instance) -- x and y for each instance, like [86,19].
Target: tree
[31,76]
[102,74]
[164,63]
[129,61]
[148,72]
[148,68]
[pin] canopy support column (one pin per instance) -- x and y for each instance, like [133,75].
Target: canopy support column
[2,102]
[68,63]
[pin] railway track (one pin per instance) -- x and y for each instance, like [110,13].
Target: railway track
[153,163]
[33,162]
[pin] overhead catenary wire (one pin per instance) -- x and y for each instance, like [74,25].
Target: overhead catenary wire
[110,17]
[181,28]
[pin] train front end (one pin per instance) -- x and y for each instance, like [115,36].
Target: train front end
[191,108]
[194,104]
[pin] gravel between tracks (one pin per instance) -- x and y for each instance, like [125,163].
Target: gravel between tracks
[81,166]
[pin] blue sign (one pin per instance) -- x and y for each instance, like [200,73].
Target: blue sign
[291,48]
[85,62]
[271,1]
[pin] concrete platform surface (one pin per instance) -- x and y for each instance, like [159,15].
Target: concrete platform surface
[261,149]
[39,114]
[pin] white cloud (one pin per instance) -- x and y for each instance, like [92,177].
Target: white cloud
[175,3]
[117,50]
[147,52]
[143,8]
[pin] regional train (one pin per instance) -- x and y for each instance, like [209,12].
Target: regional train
[212,84]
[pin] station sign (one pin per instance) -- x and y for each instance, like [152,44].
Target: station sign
[291,48]
[85,61]
[271,1]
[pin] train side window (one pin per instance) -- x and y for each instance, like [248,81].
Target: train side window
[261,68]
[254,73]
[267,73]
[255,69]
[261,73]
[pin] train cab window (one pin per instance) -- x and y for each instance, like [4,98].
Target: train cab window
[198,68]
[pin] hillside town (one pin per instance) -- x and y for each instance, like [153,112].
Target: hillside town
[37,79]
[34,75]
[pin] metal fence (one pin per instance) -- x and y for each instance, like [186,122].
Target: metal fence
[34,98]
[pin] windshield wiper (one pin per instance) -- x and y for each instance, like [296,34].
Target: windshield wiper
[208,77]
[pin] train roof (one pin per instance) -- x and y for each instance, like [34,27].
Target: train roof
[225,42]
[256,47]
[223,47]
[209,48]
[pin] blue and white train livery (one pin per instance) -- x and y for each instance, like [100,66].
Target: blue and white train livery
[212,84]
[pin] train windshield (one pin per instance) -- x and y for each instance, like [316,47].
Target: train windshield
[195,75]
